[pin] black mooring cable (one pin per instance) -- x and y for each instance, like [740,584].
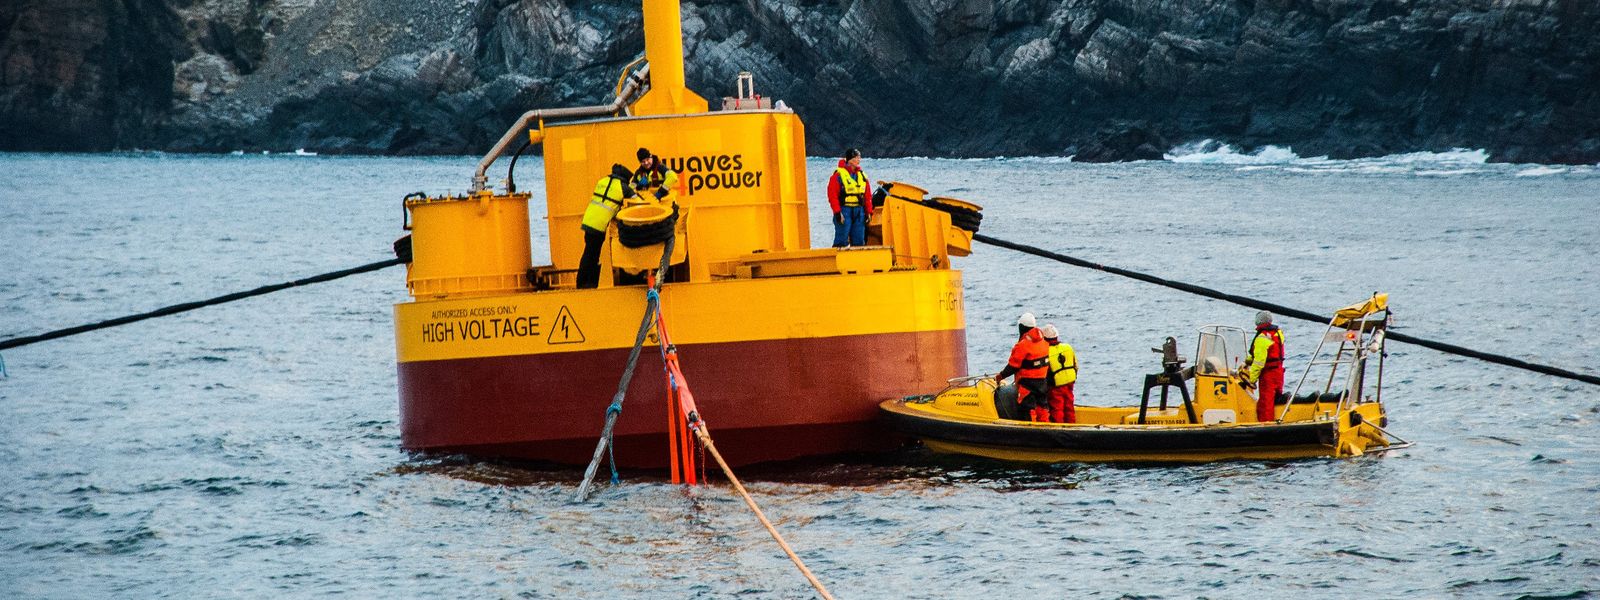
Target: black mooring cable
[188,306]
[1286,311]
[993,241]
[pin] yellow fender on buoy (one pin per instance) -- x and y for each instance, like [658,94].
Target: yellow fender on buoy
[644,214]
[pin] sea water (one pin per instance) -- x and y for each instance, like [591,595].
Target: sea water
[252,449]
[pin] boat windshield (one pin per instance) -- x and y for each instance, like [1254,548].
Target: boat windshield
[1221,349]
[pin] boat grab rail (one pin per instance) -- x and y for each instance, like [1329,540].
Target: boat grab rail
[637,83]
[950,384]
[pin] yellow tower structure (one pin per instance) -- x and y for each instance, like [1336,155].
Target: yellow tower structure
[663,47]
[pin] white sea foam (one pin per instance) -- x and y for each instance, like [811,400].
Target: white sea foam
[1457,156]
[1540,171]
[1046,160]
[1456,162]
[302,152]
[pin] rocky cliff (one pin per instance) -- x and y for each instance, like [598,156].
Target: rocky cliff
[1102,79]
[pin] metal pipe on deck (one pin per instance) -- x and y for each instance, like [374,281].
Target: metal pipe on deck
[636,83]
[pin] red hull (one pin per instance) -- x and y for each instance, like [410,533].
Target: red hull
[763,400]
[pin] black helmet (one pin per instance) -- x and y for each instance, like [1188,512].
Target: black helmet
[643,153]
[852,153]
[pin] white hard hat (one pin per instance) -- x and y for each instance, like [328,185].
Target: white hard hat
[1050,331]
[1263,318]
[1027,320]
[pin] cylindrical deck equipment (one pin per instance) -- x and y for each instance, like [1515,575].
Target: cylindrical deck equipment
[468,245]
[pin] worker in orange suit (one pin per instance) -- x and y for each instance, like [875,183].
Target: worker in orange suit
[1063,376]
[1264,367]
[1030,363]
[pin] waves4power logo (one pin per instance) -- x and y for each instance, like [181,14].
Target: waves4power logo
[714,172]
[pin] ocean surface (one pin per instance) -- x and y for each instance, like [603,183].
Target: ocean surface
[251,450]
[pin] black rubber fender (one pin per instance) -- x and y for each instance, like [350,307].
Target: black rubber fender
[402,249]
[963,218]
[639,236]
[1005,403]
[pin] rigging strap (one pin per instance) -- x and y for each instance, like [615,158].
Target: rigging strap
[652,301]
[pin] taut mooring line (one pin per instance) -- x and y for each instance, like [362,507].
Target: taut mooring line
[1286,311]
[705,440]
[188,306]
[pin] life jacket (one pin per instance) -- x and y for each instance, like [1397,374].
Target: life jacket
[1275,351]
[1032,356]
[852,186]
[604,204]
[1063,365]
[656,176]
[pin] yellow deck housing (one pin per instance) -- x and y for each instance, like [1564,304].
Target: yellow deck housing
[741,174]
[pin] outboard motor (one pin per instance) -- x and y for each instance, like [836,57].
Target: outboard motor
[1170,361]
[1172,375]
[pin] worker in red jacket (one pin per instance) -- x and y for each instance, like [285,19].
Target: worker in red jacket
[848,195]
[1264,366]
[1030,362]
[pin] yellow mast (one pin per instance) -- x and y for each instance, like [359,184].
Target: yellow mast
[663,47]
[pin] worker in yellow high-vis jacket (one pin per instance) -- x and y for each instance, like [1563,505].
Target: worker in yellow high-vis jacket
[1063,376]
[1264,366]
[851,203]
[604,204]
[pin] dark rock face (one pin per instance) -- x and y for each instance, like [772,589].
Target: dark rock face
[1102,79]
[84,74]
[1124,141]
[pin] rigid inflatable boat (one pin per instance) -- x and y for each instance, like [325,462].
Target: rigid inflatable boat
[1212,418]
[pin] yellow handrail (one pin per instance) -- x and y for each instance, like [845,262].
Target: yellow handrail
[624,76]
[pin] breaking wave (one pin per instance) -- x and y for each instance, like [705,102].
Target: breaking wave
[1218,153]
[1458,161]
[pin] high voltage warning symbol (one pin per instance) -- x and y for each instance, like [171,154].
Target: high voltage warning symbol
[565,329]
